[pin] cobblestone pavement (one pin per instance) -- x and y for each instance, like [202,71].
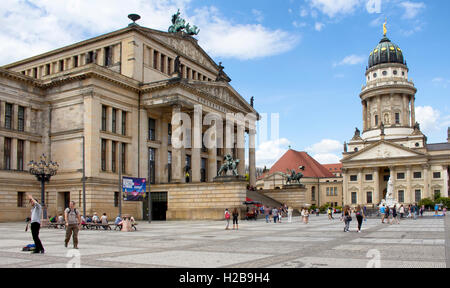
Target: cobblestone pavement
[195,244]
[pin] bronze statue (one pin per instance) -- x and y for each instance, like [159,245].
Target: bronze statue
[294,177]
[228,165]
[179,25]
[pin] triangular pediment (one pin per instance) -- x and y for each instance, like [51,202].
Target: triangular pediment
[224,92]
[185,45]
[383,150]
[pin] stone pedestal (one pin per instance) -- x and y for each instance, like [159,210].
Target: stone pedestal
[229,178]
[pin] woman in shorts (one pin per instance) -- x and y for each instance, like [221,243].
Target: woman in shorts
[235,218]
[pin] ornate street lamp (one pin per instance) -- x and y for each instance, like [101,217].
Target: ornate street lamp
[43,171]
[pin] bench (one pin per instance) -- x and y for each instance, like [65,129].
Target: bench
[56,225]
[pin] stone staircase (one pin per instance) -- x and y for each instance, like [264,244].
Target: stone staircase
[266,201]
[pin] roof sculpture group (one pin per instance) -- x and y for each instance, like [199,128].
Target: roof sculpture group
[294,176]
[229,164]
[180,25]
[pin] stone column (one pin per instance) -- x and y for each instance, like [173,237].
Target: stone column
[2,151]
[409,195]
[163,152]
[228,142]
[2,114]
[196,144]
[177,162]
[345,186]
[251,158]
[13,153]
[28,120]
[212,163]
[364,104]
[405,110]
[392,177]
[143,149]
[376,191]
[445,176]
[426,183]
[413,111]
[14,119]
[108,155]
[360,190]
[379,112]
[109,119]
[241,148]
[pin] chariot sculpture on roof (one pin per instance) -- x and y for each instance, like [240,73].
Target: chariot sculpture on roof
[180,25]
[293,176]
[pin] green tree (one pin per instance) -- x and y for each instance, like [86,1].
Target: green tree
[427,202]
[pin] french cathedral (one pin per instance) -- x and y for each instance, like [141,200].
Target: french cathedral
[391,144]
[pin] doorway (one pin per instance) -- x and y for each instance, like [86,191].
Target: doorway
[159,206]
[63,201]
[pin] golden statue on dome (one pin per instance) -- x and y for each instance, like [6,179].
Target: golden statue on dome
[384,28]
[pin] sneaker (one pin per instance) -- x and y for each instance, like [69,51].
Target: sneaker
[65,244]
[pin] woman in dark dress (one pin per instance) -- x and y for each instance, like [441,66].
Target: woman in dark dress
[235,218]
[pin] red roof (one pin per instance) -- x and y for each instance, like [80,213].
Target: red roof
[293,159]
[334,168]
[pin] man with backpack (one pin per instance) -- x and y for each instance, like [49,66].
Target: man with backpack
[73,222]
[227,217]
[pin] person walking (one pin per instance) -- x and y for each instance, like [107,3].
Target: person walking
[436,209]
[267,214]
[387,214]
[227,217]
[422,209]
[359,217]
[73,222]
[36,214]
[402,211]
[394,215]
[235,218]
[347,217]
[306,216]
[415,211]
[383,213]
[290,210]
[330,213]
[275,214]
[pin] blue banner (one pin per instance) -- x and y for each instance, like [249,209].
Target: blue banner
[133,188]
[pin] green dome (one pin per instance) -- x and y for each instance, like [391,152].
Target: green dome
[386,52]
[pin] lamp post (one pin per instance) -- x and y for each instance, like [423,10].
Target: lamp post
[43,171]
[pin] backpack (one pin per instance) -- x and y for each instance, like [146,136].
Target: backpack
[227,215]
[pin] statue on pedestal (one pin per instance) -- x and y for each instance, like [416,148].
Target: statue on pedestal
[228,165]
[294,177]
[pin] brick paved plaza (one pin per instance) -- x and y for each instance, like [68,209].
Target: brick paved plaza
[196,244]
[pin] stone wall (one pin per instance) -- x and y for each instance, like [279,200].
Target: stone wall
[205,201]
[295,197]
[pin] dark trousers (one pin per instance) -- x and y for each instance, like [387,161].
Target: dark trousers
[35,227]
[359,218]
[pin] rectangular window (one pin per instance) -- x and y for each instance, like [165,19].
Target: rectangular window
[75,61]
[335,191]
[21,119]
[108,56]
[61,65]
[20,199]
[124,158]
[418,195]
[353,177]
[369,177]
[8,115]
[397,118]
[20,148]
[163,58]
[7,154]
[437,194]
[369,197]
[151,129]
[104,118]
[47,69]
[354,199]
[203,170]
[155,59]
[400,176]
[169,134]
[35,72]
[151,165]
[417,175]
[90,57]
[124,123]
[114,118]
[376,120]
[169,65]
[328,191]
[113,156]
[103,155]
[116,199]
[401,196]
[436,175]
[169,166]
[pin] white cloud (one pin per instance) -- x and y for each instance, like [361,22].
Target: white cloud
[37,26]
[431,121]
[351,60]
[326,151]
[270,151]
[412,9]
[222,38]
[259,16]
[299,24]
[441,81]
[319,26]
[333,8]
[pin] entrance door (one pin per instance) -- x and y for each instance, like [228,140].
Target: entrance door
[159,206]
[63,200]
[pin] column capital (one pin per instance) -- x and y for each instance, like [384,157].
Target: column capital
[426,166]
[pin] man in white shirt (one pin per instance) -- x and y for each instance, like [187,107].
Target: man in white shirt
[36,214]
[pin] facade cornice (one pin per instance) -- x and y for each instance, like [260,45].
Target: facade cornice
[396,88]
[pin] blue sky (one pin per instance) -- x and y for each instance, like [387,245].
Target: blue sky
[303,59]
